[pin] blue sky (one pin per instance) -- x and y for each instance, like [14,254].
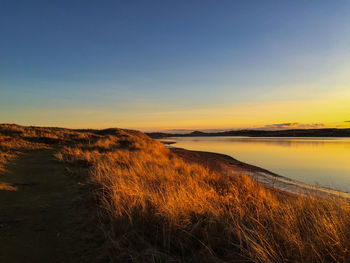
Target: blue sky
[174,64]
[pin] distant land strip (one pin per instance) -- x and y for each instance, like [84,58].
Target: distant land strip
[330,132]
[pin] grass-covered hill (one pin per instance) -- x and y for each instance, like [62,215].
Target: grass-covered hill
[153,206]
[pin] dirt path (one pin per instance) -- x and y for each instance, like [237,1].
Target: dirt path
[36,220]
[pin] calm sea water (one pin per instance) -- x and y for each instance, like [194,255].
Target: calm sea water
[316,161]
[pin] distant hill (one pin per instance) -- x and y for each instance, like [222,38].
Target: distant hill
[262,133]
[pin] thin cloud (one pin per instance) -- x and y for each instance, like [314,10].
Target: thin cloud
[280,125]
[347,121]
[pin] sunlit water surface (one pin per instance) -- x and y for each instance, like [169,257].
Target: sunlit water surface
[316,161]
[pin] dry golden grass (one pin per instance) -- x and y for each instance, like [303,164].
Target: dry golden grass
[157,208]
[7,187]
[154,207]
[11,147]
[45,135]
[15,139]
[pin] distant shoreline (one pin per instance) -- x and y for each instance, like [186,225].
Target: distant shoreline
[333,132]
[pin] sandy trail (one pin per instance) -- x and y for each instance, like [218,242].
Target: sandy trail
[36,220]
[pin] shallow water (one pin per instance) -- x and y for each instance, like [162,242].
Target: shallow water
[316,161]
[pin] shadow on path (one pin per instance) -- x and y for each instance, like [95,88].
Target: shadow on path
[36,219]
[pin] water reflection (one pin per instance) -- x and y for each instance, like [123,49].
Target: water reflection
[281,141]
[323,161]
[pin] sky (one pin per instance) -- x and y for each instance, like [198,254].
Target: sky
[185,64]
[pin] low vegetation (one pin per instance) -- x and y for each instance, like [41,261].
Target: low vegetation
[13,143]
[155,207]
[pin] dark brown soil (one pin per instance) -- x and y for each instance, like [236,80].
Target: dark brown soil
[38,220]
[218,162]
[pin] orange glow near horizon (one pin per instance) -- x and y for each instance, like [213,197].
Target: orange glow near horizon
[332,111]
[306,114]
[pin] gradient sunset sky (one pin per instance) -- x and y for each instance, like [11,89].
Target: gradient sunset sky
[157,65]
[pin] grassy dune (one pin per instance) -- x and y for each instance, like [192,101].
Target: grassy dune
[155,207]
